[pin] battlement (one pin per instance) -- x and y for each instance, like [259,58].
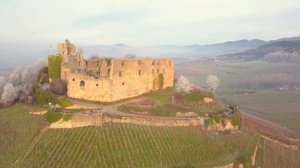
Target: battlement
[112,79]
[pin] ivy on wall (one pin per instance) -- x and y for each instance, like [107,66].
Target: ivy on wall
[54,66]
[161,81]
[158,82]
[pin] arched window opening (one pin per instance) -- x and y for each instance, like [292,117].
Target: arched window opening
[82,84]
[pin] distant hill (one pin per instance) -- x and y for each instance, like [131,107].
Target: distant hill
[179,53]
[240,49]
[282,50]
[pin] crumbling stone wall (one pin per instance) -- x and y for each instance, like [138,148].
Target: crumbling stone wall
[156,121]
[109,80]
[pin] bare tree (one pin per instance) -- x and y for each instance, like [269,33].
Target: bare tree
[183,85]
[3,81]
[9,93]
[20,82]
[212,82]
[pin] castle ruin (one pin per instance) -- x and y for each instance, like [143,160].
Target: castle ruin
[112,79]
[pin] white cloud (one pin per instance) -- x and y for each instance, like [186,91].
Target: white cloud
[140,22]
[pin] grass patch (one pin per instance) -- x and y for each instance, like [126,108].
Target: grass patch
[165,110]
[63,102]
[52,117]
[163,96]
[17,130]
[246,153]
[193,98]
[67,117]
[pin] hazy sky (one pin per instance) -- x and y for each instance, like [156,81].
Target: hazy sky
[36,23]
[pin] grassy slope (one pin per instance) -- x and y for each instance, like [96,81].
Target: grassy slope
[17,129]
[123,145]
[165,107]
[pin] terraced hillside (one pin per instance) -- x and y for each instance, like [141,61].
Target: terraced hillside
[119,145]
[17,130]
[26,141]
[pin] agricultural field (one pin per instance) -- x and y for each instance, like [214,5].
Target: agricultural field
[27,141]
[279,107]
[252,85]
[121,145]
[274,154]
[17,129]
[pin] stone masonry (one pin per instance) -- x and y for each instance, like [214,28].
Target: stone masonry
[112,79]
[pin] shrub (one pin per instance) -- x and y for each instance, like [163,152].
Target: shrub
[44,97]
[208,122]
[41,74]
[54,66]
[58,87]
[52,117]
[216,118]
[235,118]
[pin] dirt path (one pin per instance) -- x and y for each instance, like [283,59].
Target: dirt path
[31,147]
[111,109]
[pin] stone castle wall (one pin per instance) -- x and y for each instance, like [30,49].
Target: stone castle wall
[124,78]
[110,80]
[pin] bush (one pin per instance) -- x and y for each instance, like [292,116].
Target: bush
[58,87]
[52,117]
[208,122]
[54,66]
[216,118]
[44,97]
[43,75]
[235,118]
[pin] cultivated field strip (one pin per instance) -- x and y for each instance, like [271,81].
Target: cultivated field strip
[123,145]
[280,156]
